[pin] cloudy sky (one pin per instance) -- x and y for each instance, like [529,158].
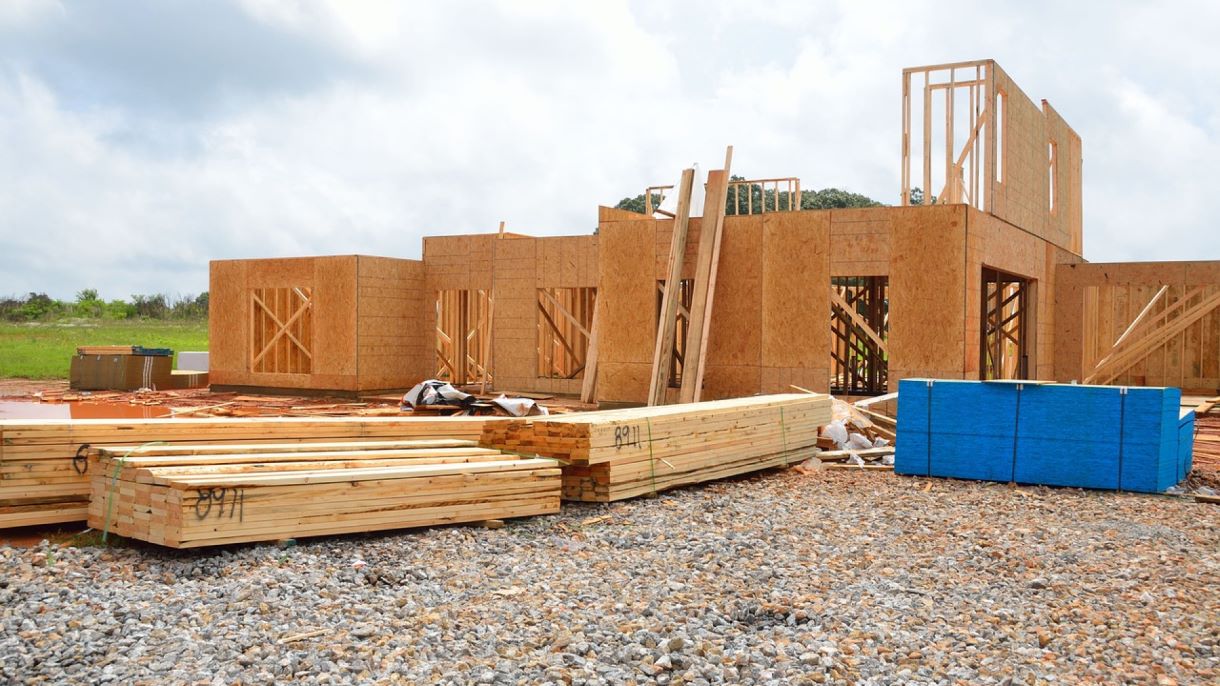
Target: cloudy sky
[138,140]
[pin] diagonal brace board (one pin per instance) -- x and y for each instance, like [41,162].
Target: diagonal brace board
[837,299]
[1155,336]
[282,327]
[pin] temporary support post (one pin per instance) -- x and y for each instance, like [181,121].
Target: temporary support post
[668,325]
[588,387]
[705,280]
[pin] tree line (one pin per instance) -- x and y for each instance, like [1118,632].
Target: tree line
[758,197]
[88,305]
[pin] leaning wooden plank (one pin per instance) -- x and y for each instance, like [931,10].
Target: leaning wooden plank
[705,280]
[588,386]
[667,326]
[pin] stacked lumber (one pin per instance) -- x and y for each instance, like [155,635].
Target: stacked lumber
[619,454]
[184,497]
[44,470]
[1207,439]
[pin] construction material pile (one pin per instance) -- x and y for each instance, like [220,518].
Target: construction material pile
[617,454]
[44,473]
[184,496]
[858,437]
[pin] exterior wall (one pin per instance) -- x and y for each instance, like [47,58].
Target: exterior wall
[366,312]
[513,267]
[1094,304]
[992,242]
[772,302]
[390,317]
[333,349]
[1022,195]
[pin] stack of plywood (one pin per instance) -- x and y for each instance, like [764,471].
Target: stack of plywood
[44,472]
[216,494]
[617,454]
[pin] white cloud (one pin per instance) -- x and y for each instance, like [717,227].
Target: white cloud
[448,117]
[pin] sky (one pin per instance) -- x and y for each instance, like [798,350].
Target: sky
[141,139]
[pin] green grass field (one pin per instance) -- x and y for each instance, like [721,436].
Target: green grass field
[42,350]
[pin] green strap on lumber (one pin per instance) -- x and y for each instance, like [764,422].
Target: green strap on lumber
[114,481]
[652,460]
[783,431]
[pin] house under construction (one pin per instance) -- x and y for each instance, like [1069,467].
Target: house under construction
[982,278]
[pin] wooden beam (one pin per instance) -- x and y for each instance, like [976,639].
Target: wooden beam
[1135,324]
[485,348]
[283,329]
[704,294]
[588,387]
[564,311]
[668,325]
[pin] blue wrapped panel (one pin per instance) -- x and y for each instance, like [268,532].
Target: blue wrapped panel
[1106,437]
[974,430]
[911,449]
[1069,436]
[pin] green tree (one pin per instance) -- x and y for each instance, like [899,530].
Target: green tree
[637,203]
[834,198]
[917,196]
[88,304]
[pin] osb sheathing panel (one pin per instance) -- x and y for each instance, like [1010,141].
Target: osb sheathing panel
[612,214]
[1096,302]
[665,236]
[228,321]
[514,331]
[859,242]
[333,348]
[1066,219]
[796,272]
[927,295]
[458,262]
[391,326]
[626,308]
[1021,196]
[734,352]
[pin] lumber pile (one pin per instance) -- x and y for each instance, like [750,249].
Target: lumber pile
[617,454]
[44,470]
[184,497]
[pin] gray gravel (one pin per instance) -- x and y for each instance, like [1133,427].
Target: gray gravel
[784,578]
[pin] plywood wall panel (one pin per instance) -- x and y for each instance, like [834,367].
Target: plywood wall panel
[393,332]
[626,308]
[735,337]
[228,319]
[332,283]
[795,292]
[927,299]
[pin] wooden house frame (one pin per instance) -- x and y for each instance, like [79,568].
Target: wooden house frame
[986,280]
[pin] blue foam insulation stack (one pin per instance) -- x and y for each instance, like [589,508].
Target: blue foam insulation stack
[1104,437]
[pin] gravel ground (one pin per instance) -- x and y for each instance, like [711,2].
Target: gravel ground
[784,578]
